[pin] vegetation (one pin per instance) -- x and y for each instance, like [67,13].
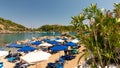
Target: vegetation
[101,34]
[11,26]
[56,28]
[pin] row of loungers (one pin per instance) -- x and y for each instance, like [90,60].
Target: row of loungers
[69,55]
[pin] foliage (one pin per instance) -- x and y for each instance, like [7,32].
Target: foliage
[56,28]
[99,30]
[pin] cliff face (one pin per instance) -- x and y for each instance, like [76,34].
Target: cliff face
[8,25]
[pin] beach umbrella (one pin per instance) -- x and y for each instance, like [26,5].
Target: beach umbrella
[12,45]
[56,38]
[59,48]
[75,41]
[54,42]
[60,40]
[3,53]
[45,44]
[30,42]
[36,43]
[46,40]
[35,57]
[70,44]
[20,45]
[26,49]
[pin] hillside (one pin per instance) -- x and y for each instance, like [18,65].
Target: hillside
[8,25]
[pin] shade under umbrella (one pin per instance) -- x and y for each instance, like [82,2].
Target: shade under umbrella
[36,56]
[26,49]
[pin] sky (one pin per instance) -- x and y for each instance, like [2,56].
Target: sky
[36,13]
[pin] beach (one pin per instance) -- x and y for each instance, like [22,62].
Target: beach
[68,64]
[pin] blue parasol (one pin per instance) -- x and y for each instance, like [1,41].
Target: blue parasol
[26,49]
[14,45]
[59,48]
[36,43]
[53,42]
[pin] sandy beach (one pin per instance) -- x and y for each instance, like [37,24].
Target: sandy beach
[68,64]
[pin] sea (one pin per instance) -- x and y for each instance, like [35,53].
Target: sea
[11,38]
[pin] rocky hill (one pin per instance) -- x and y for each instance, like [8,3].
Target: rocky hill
[8,25]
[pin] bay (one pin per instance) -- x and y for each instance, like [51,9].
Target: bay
[11,38]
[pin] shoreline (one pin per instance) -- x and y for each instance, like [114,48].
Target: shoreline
[13,32]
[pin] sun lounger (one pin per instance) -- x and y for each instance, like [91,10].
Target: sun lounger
[60,61]
[12,59]
[19,65]
[57,65]
[51,65]
[1,65]
[74,51]
[68,57]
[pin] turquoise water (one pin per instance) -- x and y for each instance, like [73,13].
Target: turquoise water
[8,38]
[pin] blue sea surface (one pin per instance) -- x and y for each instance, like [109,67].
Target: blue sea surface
[11,38]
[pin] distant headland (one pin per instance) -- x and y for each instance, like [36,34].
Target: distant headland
[8,26]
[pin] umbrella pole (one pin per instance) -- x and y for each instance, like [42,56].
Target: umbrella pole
[59,54]
[36,65]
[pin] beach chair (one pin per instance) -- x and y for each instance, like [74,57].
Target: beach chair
[17,65]
[51,65]
[1,65]
[61,61]
[11,59]
[58,65]
[24,66]
[74,51]
[67,57]
[76,47]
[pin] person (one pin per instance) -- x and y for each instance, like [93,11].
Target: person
[65,52]
[9,54]
[9,51]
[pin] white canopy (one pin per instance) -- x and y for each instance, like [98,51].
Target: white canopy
[75,41]
[60,40]
[45,44]
[3,53]
[36,56]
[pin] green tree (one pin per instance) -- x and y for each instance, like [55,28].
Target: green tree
[100,35]
[56,28]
